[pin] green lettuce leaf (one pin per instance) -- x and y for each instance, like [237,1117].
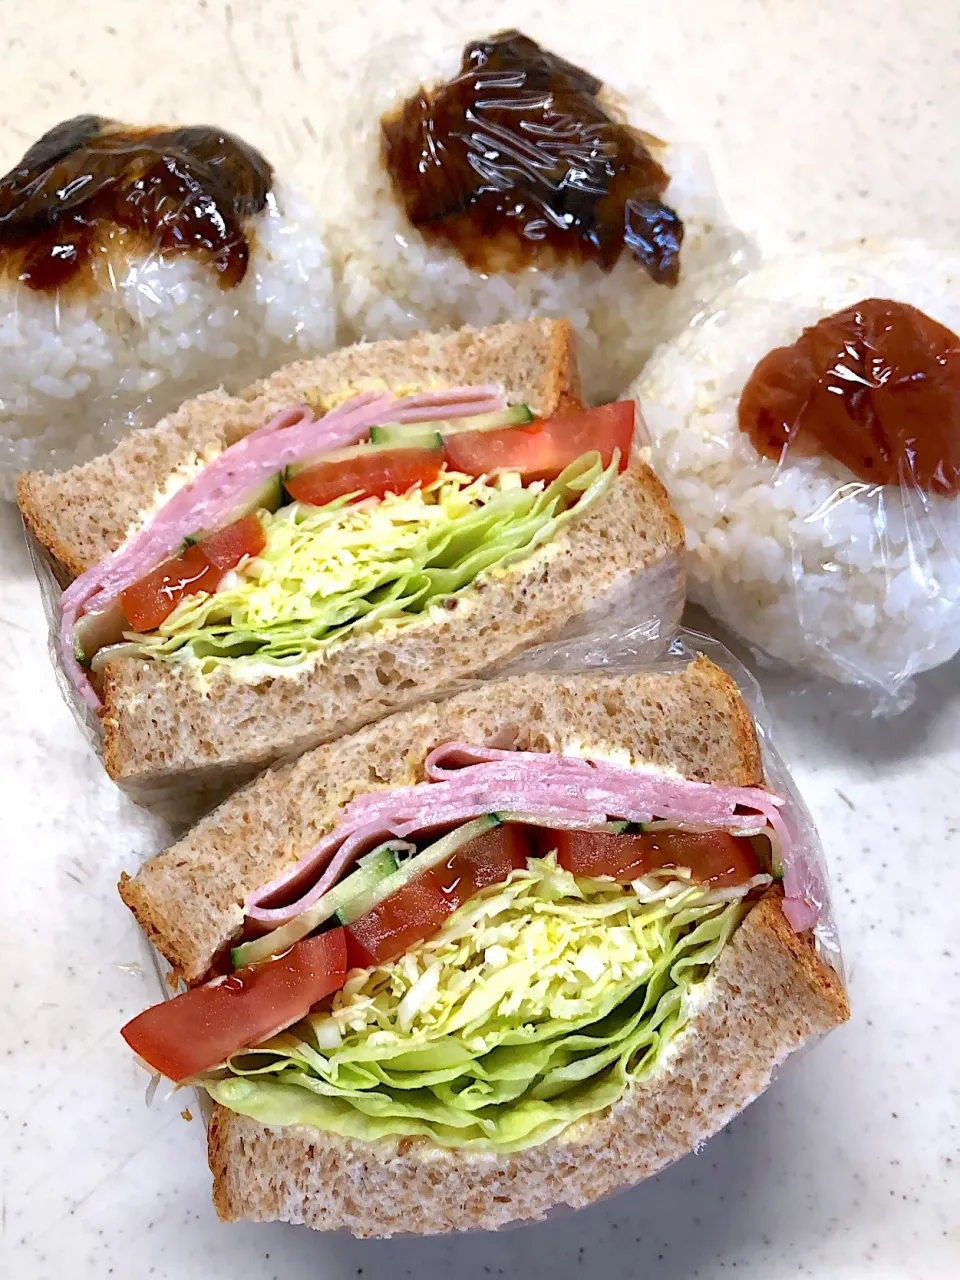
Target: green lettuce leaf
[346,567]
[537,1004]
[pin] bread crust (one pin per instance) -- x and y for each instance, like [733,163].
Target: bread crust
[189,898]
[769,993]
[79,516]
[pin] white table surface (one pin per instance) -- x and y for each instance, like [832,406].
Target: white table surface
[823,121]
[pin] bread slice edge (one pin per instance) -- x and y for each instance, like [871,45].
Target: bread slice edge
[769,994]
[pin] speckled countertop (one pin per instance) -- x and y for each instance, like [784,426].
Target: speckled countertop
[823,121]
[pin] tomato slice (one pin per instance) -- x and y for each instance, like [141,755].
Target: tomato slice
[203,1027]
[541,450]
[417,911]
[200,567]
[487,860]
[371,474]
[151,600]
[226,547]
[407,917]
[714,857]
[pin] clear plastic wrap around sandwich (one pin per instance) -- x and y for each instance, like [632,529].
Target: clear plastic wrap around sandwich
[500,953]
[808,429]
[261,573]
[139,265]
[497,180]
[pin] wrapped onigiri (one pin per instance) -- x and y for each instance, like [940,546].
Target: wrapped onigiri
[138,266]
[808,430]
[500,181]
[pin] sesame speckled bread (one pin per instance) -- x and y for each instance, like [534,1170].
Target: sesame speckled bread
[767,995]
[81,515]
[165,731]
[189,899]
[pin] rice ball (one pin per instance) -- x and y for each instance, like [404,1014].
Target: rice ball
[392,282]
[139,327]
[800,556]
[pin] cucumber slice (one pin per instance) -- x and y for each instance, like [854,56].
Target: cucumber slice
[355,451]
[96,631]
[269,497]
[614,828]
[431,857]
[518,415]
[399,435]
[266,497]
[373,868]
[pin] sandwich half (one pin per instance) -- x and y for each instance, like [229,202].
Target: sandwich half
[261,573]
[497,954]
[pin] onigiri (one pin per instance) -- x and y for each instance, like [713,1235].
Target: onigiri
[806,555]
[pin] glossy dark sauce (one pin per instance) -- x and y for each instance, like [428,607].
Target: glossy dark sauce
[89,182]
[876,386]
[514,163]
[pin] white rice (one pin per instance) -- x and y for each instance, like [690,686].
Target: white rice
[75,376]
[392,284]
[805,561]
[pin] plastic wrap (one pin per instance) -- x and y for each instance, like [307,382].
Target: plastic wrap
[52,582]
[626,651]
[139,266]
[629,651]
[642,610]
[469,263]
[826,533]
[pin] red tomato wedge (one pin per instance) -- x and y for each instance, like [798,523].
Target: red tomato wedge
[541,450]
[407,917]
[200,567]
[203,1027]
[487,860]
[417,911]
[715,858]
[225,548]
[151,600]
[371,474]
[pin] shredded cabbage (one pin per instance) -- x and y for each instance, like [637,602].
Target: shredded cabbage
[327,571]
[537,1004]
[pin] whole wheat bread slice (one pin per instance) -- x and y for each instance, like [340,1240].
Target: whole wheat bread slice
[162,728]
[81,515]
[767,995]
[166,732]
[189,899]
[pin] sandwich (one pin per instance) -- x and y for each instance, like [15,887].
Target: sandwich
[263,572]
[499,953]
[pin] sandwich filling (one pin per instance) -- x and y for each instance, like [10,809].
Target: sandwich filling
[537,1004]
[314,528]
[327,571]
[482,958]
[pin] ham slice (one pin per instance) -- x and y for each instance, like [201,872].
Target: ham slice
[228,479]
[464,781]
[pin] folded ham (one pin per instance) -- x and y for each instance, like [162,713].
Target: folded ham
[465,781]
[228,479]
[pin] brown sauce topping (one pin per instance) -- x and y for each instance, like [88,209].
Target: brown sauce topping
[515,163]
[92,185]
[876,386]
